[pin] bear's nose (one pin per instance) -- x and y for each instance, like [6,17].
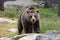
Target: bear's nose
[33,20]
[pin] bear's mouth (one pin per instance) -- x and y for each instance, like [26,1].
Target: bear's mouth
[33,21]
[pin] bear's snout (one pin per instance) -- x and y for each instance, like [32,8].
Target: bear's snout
[33,21]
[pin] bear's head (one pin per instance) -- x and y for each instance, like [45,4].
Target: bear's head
[32,15]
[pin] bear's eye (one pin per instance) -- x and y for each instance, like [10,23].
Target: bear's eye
[34,16]
[30,16]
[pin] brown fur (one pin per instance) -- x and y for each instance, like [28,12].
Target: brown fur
[24,22]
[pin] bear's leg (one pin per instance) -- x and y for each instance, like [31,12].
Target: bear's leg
[36,27]
[20,28]
[28,29]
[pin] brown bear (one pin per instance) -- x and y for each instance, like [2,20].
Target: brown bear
[29,20]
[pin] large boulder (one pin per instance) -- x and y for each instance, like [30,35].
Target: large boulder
[52,32]
[33,37]
[20,3]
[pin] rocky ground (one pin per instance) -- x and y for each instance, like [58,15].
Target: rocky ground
[49,35]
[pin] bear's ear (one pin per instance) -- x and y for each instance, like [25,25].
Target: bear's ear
[37,11]
[28,11]
[31,8]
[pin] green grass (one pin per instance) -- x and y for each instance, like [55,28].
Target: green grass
[50,24]
[49,20]
[48,12]
[4,29]
[11,13]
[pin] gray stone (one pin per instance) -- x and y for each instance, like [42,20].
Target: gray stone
[20,3]
[49,35]
[12,30]
[5,38]
[52,32]
[3,20]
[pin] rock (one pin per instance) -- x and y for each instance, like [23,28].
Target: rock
[12,30]
[20,3]
[21,37]
[55,35]
[52,32]
[48,37]
[5,38]
[29,37]
[33,37]
[3,20]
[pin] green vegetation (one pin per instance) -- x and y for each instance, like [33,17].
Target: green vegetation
[4,29]
[48,12]
[11,13]
[48,18]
